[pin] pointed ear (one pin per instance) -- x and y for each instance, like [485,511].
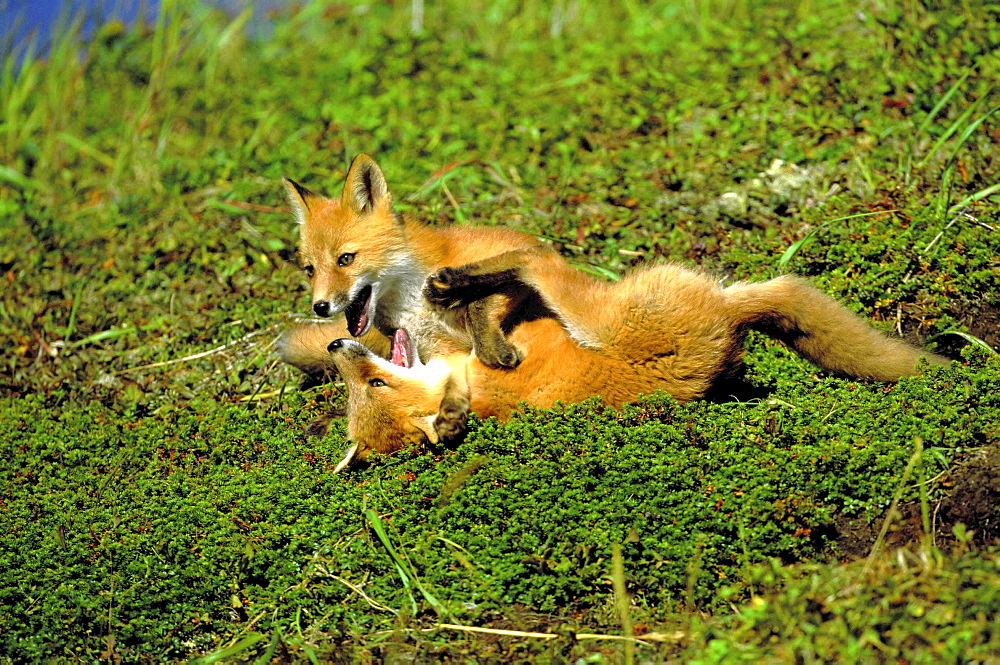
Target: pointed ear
[299,198]
[365,189]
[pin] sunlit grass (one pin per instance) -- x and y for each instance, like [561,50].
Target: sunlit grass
[143,229]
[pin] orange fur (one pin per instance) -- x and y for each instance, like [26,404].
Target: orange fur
[357,241]
[660,328]
[386,418]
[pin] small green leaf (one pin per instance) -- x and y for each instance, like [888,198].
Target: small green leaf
[229,652]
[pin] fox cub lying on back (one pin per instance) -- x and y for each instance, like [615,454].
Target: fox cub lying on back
[660,328]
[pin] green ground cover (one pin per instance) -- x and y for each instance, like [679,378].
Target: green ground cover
[161,500]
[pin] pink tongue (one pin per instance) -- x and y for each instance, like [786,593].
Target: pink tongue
[401,348]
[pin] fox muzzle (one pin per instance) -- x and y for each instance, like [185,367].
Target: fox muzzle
[347,347]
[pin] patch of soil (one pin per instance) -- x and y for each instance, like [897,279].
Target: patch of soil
[856,536]
[973,499]
[982,320]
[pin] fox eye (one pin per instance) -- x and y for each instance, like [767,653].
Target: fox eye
[376,383]
[309,271]
[345,259]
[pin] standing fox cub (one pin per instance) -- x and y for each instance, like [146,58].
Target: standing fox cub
[660,328]
[368,263]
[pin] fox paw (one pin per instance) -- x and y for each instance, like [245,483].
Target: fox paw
[443,288]
[451,421]
[501,355]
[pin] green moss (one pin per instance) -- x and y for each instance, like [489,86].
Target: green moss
[160,491]
[176,532]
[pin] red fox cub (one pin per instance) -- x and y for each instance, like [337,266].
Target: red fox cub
[660,328]
[370,264]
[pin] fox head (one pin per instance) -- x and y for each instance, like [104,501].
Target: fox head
[349,246]
[389,406]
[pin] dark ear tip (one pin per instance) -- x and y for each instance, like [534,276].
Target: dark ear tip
[365,164]
[299,189]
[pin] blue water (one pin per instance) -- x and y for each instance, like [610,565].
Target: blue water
[32,25]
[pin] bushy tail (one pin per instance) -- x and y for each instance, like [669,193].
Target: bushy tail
[304,345]
[823,330]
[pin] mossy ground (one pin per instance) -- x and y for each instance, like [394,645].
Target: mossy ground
[162,501]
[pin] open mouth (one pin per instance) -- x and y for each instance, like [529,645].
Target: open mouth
[357,312]
[402,349]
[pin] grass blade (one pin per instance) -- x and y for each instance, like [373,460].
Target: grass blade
[9,175]
[621,599]
[918,454]
[981,194]
[948,133]
[85,148]
[439,178]
[941,102]
[788,254]
[973,126]
[599,271]
[234,650]
[406,573]
[971,339]
[271,648]
[111,333]
[71,326]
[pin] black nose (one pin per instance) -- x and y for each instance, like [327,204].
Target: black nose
[322,308]
[334,345]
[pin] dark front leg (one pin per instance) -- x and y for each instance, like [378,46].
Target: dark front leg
[452,419]
[489,301]
[459,285]
[454,286]
[319,427]
[449,288]
[485,320]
